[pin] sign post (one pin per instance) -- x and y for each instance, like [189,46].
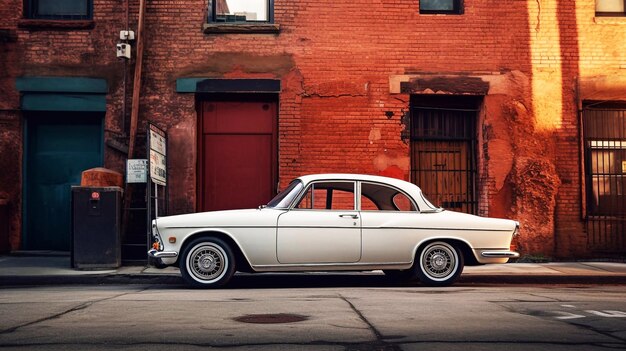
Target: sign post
[157,166]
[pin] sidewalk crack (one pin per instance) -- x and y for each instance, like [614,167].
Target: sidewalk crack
[80,307]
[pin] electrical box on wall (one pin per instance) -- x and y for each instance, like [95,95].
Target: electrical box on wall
[127,35]
[123,50]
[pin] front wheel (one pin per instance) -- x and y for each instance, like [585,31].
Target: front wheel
[207,263]
[439,264]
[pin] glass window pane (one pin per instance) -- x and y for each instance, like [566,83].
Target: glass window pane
[329,196]
[402,203]
[383,198]
[609,5]
[62,8]
[437,5]
[241,10]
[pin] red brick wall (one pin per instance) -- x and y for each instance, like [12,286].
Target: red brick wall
[335,59]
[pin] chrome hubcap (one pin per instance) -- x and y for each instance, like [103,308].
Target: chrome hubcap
[439,261]
[207,262]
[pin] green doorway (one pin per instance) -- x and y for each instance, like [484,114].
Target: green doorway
[58,147]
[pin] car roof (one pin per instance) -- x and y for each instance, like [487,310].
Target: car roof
[359,177]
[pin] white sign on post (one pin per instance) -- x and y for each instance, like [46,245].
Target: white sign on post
[158,164]
[157,168]
[157,141]
[137,171]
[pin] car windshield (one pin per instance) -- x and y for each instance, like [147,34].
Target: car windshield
[286,197]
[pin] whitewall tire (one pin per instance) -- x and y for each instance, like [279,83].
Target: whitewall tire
[439,264]
[207,263]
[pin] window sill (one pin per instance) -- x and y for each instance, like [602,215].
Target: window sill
[610,20]
[243,28]
[55,24]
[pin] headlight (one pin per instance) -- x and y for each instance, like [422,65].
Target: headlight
[158,243]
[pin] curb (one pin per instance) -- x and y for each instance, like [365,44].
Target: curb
[125,279]
[544,279]
[250,281]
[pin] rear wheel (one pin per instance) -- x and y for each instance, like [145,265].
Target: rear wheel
[207,263]
[439,264]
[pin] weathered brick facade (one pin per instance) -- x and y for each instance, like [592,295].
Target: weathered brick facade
[348,70]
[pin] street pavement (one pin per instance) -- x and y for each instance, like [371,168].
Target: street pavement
[167,317]
[49,268]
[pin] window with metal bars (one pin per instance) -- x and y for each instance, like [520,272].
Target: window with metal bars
[604,129]
[58,9]
[443,143]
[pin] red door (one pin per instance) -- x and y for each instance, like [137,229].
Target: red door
[238,154]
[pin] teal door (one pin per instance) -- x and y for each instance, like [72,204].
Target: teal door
[59,146]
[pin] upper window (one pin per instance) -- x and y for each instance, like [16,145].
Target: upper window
[58,9]
[452,7]
[611,8]
[241,11]
[331,195]
[376,197]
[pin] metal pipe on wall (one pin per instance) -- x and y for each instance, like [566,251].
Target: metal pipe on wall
[134,115]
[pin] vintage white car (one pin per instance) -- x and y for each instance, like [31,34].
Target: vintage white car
[330,222]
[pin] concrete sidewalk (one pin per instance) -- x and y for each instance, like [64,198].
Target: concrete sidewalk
[54,268]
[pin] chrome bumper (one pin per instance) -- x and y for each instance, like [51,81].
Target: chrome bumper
[162,254]
[499,254]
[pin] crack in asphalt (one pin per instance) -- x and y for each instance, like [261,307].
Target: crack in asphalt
[380,344]
[601,332]
[546,315]
[80,307]
[554,299]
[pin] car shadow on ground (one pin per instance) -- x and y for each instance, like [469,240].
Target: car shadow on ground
[313,280]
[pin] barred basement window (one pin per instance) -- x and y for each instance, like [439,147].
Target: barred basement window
[611,8]
[449,7]
[241,11]
[58,9]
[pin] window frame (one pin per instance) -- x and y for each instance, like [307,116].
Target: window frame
[31,6]
[294,205]
[398,191]
[610,14]
[212,15]
[457,9]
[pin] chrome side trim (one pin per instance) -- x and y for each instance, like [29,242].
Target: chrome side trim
[162,254]
[338,265]
[499,254]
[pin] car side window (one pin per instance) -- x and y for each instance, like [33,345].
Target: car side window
[377,197]
[328,196]
[403,203]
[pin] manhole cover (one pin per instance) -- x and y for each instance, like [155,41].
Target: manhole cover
[271,318]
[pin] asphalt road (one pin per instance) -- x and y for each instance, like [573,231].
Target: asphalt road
[324,317]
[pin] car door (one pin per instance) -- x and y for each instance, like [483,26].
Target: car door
[390,224]
[323,227]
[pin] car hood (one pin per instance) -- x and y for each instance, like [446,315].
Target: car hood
[229,218]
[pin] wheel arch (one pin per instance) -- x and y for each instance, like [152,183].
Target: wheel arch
[241,261]
[466,250]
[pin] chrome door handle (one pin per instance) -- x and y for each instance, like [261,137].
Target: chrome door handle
[353,216]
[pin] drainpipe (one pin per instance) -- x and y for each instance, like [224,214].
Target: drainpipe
[134,114]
